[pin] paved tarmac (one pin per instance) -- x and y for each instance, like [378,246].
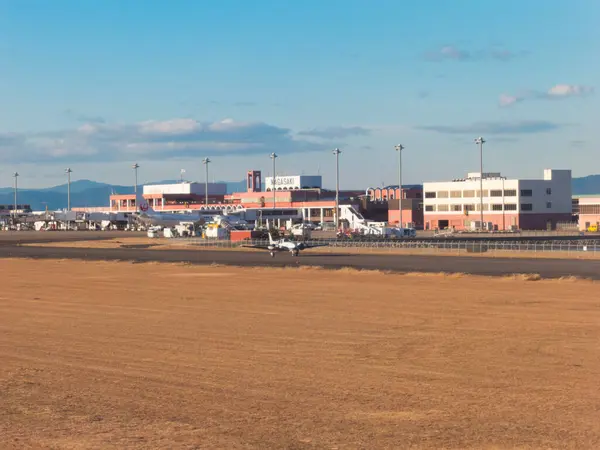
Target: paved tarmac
[547,268]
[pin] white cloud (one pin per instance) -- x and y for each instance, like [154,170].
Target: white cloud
[152,139]
[173,126]
[507,100]
[559,91]
[569,90]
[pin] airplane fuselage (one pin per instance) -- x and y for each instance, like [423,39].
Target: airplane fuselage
[166,219]
[282,246]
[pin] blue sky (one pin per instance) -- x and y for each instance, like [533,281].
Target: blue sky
[99,85]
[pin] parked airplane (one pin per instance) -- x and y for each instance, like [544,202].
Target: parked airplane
[282,245]
[151,218]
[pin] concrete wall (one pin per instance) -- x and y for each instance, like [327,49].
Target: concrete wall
[560,198]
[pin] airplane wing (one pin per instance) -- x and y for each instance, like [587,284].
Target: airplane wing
[316,245]
[262,247]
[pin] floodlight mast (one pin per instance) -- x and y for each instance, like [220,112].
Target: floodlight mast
[273,156]
[68,171]
[399,149]
[206,162]
[337,152]
[480,141]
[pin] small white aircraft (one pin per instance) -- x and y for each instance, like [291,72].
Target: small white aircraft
[282,245]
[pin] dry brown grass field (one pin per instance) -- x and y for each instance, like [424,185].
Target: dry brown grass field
[121,355]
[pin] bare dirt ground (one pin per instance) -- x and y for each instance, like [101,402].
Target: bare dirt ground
[121,355]
[182,244]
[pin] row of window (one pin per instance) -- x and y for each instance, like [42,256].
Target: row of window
[11,207]
[477,207]
[589,209]
[486,193]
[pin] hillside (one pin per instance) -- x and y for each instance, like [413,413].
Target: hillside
[586,185]
[83,193]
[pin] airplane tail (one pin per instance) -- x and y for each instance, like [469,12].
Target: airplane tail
[271,241]
[142,205]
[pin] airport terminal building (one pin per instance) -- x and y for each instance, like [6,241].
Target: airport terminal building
[587,210]
[508,204]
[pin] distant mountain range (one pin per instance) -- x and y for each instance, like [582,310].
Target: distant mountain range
[83,193]
[586,185]
[93,193]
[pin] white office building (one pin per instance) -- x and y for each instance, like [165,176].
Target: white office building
[505,203]
[185,188]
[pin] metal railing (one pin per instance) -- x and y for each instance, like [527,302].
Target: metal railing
[493,246]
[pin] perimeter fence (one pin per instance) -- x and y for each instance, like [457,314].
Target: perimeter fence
[569,247]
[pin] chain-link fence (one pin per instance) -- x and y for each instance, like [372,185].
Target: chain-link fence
[494,246]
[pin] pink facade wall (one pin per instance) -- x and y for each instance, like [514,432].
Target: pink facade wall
[459,221]
[586,220]
[408,216]
[521,221]
[385,194]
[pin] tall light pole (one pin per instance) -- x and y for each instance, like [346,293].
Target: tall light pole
[503,207]
[135,167]
[206,162]
[337,152]
[399,149]
[273,156]
[181,172]
[16,175]
[68,171]
[480,141]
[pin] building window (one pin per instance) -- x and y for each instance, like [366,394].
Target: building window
[429,194]
[457,208]
[510,192]
[485,193]
[468,194]
[510,207]
[496,207]
[442,194]
[485,207]
[526,207]
[442,208]
[548,191]
[589,209]
[496,193]
[455,194]
[470,207]
[548,205]
[526,193]
[429,208]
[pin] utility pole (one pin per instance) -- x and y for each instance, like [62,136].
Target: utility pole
[337,152]
[480,141]
[68,171]
[136,166]
[399,149]
[206,162]
[273,156]
[16,175]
